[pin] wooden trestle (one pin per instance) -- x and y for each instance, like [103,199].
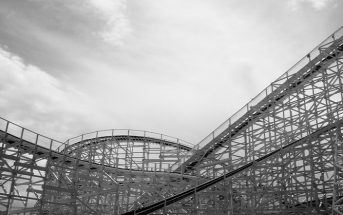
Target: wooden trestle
[282,153]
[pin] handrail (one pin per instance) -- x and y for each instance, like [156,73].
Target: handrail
[28,135]
[58,146]
[123,132]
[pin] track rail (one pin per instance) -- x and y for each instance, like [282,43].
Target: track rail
[27,146]
[118,138]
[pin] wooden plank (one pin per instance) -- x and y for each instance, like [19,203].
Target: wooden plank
[30,166]
[10,157]
[17,171]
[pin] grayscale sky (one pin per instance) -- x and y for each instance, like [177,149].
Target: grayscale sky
[178,67]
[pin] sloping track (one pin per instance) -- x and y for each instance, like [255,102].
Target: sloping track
[282,151]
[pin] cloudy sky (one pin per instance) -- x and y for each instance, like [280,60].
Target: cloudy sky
[178,67]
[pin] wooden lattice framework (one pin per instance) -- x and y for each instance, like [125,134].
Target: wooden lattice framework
[279,154]
[104,172]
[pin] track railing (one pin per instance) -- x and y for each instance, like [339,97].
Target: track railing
[123,132]
[28,135]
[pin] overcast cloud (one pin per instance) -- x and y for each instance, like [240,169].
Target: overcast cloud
[174,67]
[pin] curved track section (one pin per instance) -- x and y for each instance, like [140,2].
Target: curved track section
[87,175]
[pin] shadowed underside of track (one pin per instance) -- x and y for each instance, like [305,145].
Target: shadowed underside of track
[278,152]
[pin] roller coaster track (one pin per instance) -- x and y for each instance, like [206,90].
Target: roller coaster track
[281,152]
[40,151]
[201,187]
[29,156]
[260,108]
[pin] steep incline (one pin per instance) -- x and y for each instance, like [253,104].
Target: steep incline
[294,79]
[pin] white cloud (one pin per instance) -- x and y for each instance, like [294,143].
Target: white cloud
[316,4]
[115,15]
[181,72]
[35,99]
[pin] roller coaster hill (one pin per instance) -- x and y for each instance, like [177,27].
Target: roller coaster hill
[281,153]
